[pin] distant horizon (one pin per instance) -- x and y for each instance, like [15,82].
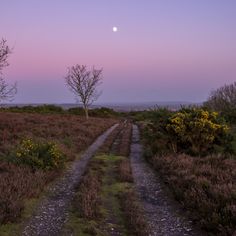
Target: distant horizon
[125,107]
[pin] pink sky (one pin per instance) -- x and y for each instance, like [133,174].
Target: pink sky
[163,50]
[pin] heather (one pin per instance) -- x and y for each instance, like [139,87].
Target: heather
[192,151]
[34,148]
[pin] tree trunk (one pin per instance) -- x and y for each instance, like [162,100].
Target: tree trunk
[86,113]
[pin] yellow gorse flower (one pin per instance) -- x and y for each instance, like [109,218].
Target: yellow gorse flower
[43,155]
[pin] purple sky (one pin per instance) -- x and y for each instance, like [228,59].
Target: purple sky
[164,50]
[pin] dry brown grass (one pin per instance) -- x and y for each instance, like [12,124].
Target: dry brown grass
[125,139]
[130,203]
[68,130]
[106,147]
[133,213]
[87,201]
[206,186]
[124,171]
[17,183]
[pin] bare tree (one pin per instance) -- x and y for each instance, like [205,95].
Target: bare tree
[223,98]
[83,83]
[7,92]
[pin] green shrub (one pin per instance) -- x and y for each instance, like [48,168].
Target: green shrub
[191,130]
[154,114]
[38,155]
[196,129]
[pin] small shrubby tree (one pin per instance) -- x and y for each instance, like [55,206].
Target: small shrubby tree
[83,83]
[7,92]
[223,100]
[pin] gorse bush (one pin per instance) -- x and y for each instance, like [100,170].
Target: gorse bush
[194,131]
[39,155]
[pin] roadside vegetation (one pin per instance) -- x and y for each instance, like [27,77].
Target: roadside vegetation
[34,150]
[193,151]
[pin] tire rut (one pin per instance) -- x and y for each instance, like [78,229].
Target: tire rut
[164,215]
[52,212]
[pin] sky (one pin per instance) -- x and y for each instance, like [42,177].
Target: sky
[164,50]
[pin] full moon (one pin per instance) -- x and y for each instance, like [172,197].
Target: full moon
[114,29]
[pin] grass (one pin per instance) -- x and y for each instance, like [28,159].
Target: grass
[105,202]
[19,184]
[95,202]
[133,212]
[10,229]
[99,208]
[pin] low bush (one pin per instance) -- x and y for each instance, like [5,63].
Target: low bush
[193,131]
[38,155]
[196,131]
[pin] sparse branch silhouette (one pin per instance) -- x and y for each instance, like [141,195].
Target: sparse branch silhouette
[223,98]
[7,92]
[84,83]
[4,53]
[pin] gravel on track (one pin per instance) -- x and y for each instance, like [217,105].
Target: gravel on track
[52,212]
[164,215]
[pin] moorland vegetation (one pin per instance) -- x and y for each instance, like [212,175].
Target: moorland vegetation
[34,148]
[193,150]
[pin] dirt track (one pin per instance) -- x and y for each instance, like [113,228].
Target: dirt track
[164,215]
[51,214]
